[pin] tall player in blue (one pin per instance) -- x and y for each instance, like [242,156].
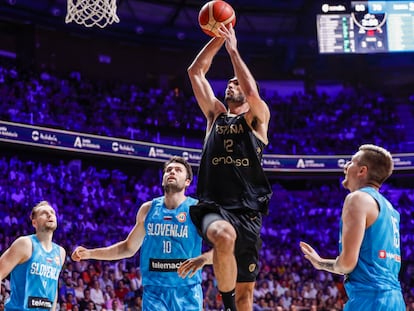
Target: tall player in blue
[170,246]
[34,263]
[369,238]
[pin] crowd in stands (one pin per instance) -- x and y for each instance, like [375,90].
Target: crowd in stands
[301,123]
[97,206]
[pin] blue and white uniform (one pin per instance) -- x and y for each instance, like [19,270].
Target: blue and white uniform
[34,283]
[373,285]
[170,239]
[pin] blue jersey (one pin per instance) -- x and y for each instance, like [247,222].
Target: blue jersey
[34,283]
[170,239]
[379,259]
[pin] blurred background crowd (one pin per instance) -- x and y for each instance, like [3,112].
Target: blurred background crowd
[302,123]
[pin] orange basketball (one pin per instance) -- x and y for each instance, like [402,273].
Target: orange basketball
[214,13]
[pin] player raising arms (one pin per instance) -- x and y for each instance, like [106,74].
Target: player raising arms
[232,188]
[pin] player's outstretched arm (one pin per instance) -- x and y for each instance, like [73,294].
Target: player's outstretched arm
[123,249]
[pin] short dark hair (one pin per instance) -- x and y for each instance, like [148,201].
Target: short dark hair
[181,160]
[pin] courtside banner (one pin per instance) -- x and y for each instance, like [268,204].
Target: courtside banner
[55,139]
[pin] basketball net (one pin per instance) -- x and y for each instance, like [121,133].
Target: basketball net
[92,12]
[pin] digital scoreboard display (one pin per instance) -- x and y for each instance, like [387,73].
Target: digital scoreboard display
[366,27]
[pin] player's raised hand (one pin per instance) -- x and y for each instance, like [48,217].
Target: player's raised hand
[310,254]
[229,35]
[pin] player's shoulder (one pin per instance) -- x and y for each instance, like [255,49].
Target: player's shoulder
[359,198]
[22,247]
[22,241]
[358,195]
[143,210]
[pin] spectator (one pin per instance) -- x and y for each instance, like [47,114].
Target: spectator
[79,289]
[97,295]
[86,303]
[111,298]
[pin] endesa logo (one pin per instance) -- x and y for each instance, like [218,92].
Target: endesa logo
[382,254]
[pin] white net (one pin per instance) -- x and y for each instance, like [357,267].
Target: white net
[92,12]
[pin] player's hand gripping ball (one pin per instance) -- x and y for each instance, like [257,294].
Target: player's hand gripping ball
[215,13]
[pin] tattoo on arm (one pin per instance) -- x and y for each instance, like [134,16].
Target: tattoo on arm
[329,266]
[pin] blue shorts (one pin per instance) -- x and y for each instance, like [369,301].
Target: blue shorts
[183,298]
[380,301]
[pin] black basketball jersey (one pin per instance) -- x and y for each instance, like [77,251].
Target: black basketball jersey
[230,172]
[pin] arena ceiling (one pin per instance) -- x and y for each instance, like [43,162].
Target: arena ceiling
[263,23]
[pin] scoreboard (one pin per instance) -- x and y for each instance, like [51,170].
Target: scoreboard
[366,27]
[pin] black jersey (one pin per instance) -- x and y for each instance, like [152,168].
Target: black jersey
[230,172]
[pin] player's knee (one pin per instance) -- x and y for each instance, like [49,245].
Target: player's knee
[222,235]
[244,299]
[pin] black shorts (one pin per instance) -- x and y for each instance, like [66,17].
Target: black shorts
[247,224]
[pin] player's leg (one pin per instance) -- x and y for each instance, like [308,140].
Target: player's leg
[223,236]
[247,251]
[244,296]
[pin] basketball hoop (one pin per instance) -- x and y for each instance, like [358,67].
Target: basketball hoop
[92,12]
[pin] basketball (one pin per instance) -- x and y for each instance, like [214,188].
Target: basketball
[214,13]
